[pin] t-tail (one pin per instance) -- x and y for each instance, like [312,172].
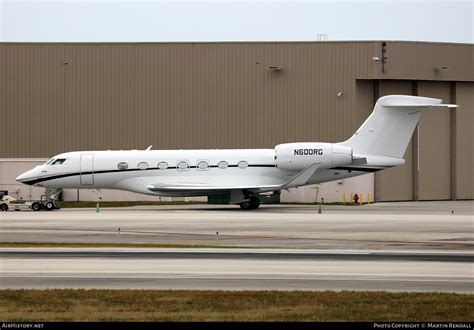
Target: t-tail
[388,130]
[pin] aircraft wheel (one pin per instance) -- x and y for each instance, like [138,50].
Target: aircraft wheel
[246,205]
[254,202]
[4,207]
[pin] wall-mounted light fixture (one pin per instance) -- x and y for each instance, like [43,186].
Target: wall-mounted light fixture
[376,59]
[340,94]
[274,67]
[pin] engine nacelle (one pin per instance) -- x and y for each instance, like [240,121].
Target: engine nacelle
[299,156]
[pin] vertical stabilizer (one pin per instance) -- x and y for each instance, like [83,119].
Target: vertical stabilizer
[389,128]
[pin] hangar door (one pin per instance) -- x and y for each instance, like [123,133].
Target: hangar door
[433,165]
[396,184]
[464,153]
[87,169]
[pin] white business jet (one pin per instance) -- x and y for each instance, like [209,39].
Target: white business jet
[378,144]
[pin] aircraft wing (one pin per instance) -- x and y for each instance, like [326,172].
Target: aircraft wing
[195,186]
[299,179]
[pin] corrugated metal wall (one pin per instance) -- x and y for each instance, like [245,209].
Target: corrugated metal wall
[63,97]
[214,95]
[101,96]
[429,61]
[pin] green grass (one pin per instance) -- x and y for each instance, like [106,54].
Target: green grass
[112,245]
[151,305]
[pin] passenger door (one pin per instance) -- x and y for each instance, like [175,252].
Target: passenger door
[87,169]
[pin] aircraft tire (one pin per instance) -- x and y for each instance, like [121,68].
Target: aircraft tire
[246,205]
[254,202]
[36,207]
[4,207]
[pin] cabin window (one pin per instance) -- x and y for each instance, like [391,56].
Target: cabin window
[143,165]
[58,161]
[222,164]
[243,164]
[202,165]
[182,166]
[162,165]
[122,166]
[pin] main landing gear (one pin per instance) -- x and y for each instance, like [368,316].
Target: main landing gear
[252,204]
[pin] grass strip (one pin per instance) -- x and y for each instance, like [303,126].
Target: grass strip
[114,245]
[165,305]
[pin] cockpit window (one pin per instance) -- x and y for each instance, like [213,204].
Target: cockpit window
[50,161]
[58,161]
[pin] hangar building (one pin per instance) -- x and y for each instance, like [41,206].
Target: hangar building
[57,97]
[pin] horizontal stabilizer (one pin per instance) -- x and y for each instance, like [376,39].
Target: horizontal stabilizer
[427,105]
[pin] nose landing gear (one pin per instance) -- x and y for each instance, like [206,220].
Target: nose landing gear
[252,204]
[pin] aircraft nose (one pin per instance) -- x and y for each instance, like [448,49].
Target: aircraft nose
[21,177]
[24,177]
